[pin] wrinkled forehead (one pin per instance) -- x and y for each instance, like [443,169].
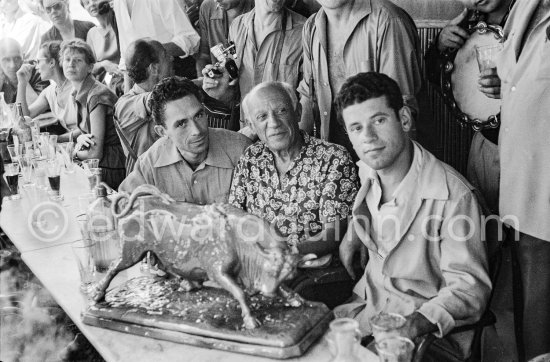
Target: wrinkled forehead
[48,3]
[269,96]
[10,50]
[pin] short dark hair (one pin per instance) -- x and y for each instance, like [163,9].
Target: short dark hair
[141,54]
[78,46]
[364,86]
[52,49]
[172,89]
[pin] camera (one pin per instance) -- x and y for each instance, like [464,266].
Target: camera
[226,58]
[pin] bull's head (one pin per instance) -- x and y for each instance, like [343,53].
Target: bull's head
[278,265]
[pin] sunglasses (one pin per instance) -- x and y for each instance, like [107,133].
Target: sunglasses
[54,7]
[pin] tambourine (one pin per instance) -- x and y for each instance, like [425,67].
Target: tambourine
[460,81]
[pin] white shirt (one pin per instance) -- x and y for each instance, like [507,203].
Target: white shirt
[161,20]
[27,29]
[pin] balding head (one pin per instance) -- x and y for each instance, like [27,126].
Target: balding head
[146,59]
[11,57]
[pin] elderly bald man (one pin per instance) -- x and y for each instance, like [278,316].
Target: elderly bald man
[11,59]
[302,185]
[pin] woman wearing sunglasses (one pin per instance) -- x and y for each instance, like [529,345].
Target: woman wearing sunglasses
[92,107]
[64,27]
[55,96]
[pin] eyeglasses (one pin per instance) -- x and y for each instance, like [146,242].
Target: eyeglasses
[54,7]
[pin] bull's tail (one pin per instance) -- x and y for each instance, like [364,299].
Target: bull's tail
[143,190]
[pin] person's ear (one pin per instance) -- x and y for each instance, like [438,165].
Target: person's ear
[405,117]
[160,130]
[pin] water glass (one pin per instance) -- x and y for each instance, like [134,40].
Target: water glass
[11,175]
[386,325]
[486,56]
[395,349]
[66,149]
[53,172]
[90,163]
[94,178]
[83,253]
[82,220]
[44,141]
[40,170]
[52,145]
[26,170]
[15,152]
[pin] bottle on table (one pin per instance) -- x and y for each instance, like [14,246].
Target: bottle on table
[102,228]
[21,128]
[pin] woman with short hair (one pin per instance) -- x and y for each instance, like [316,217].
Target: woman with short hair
[92,105]
[55,97]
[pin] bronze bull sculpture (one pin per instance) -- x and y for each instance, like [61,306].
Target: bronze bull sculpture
[214,242]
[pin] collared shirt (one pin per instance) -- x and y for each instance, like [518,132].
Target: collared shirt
[213,25]
[57,97]
[161,20]
[319,187]
[81,29]
[27,29]
[438,265]
[103,43]
[255,61]
[136,123]
[524,69]
[163,166]
[383,39]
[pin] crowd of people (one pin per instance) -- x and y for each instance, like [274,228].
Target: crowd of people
[315,133]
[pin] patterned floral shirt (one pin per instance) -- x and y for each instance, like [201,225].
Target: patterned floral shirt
[319,187]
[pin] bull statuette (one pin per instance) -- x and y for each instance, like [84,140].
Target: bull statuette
[238,251]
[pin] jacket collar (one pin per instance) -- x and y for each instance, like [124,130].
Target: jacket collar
[430,184]
[216,157]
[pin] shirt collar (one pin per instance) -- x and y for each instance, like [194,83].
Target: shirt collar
[137,89]
[217,13]
[277,26]
[82,94]
[423,179]
[216,156]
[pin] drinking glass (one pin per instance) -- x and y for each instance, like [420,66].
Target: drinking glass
[90,163]
[15,152]
[94,177]
[344,339]
[66,150]
[83,253]
[82,220]
[395,349]
[54,177]
[40,168]
[11,175]
[44,141]
[386,325]
[486,56]
[29,151]
[52,145]
[26,170]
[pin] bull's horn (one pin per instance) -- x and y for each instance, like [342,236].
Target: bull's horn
[114,207]
[307,257]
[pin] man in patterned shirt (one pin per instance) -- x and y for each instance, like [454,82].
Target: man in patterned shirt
[303,186]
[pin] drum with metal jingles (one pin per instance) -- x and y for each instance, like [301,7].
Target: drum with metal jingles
[460,81]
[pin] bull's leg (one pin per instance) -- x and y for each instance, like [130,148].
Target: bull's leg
[290,296]
[229,284]
[130,256]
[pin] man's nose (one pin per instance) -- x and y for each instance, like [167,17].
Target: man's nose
[272,120]
[369,134]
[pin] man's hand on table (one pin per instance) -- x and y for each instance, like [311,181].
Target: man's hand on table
[416,326]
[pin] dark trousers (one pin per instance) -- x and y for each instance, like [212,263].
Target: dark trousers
[531,288]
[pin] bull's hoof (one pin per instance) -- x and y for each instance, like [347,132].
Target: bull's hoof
[96,293]
[250,322]
[189,285]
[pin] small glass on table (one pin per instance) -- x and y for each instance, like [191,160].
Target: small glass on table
[44,144]
[386,325]
[26,162]
[66,149]
[395,349]
[83,252]
[54,178]
[40,170]
[15,152]
[11,176]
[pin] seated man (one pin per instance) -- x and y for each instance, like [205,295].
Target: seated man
[147,62]
[303,185]
[418,219]
[190,162]
[11,59]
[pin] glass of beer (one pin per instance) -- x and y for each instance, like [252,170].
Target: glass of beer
[386,325]
[486,56]
[11,176]
[54,178]
[395,349]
